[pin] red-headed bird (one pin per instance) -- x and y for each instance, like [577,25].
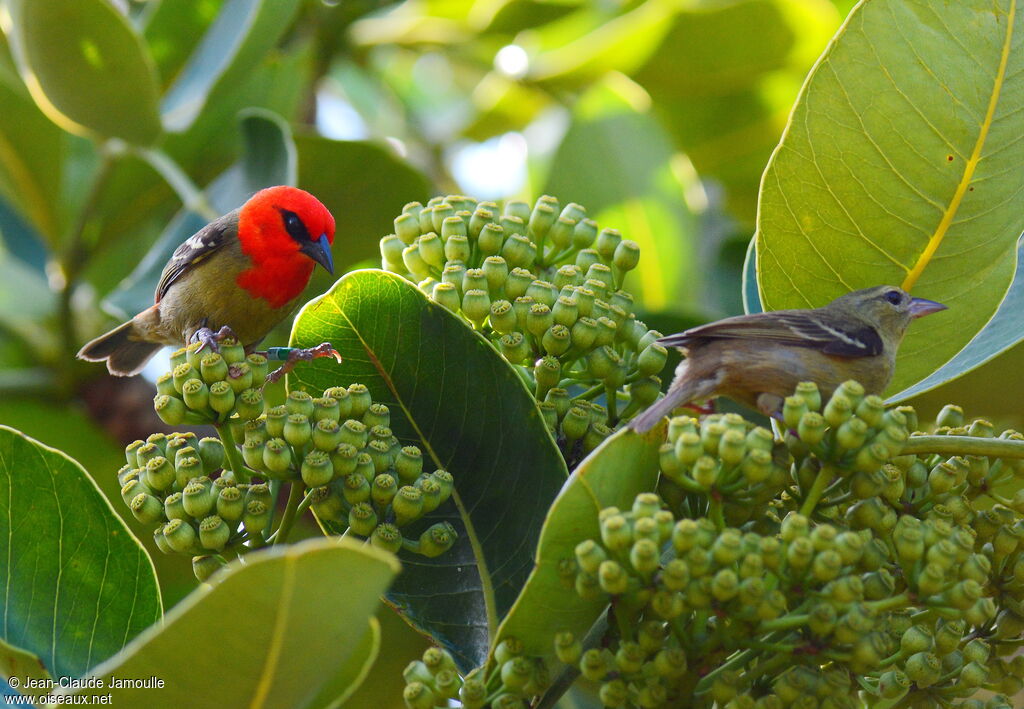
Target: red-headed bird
[239,275]
[759,359]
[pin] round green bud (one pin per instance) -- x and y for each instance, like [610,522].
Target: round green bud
[213,533]
[211,452]
[181,374]
[180,536]
[431,250]
[298,432]
[518,251]
[627,256]
[257,514]
[277,456]
[438,539]
[222,397]
[354,433]
[383,489]
[407,505]
[556,340]
[542,292]
[386,536]
[299,402]
[213,368]
[546,372]
[146,508]
[206,566]
[808,391]
[259,367]
[476,305]
[893,684]
[170,409]
[793,409]
[495,271]
[158,474]
[514,347]
[447,295]
[249,404]
[456,246]
[838,410]
[644,556]
[870,410]
[950,416]
[316,469]
[326,408]
[923,668]
[362,519]
[491,239]
[230,504]
[199,497]
[276,417]
[418,695]
[607,242]
[232,352]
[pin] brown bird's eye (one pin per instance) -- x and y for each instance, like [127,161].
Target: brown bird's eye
[894,297]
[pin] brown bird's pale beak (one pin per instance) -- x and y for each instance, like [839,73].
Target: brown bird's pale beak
[320,251]
[919,307]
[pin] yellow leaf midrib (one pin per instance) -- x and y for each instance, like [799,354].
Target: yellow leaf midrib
[935,240]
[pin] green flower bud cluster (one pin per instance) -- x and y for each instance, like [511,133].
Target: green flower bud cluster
[358,474]
[167,482]
[510,682]
[545,286]
[801,571]
[208,387]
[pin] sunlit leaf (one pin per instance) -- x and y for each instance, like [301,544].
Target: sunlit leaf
[623,466]
[901,165]
[292,616]
[86,67]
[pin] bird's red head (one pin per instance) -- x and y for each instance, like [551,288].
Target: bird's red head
[285,232]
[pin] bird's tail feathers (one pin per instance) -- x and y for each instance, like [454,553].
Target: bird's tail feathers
[122,348]
[684,393]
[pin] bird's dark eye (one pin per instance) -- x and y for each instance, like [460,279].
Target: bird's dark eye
[894,297]
[294,226]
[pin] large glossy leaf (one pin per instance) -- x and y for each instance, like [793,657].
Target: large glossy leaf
[276,630]
[268,158]
[77,584]
[638,186]
[452,395]
[724,78]
[31,152]
[900,165]
[86,67]
[623,466]
[1003,331]
[242,33]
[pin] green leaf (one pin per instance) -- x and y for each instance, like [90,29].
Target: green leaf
[268,158]
[365,207]
[78,585]
[274,630]
[900,165]
[1003,331]
[451,394]
[86,67]
[353,672]
[31,154]
[623,466]
[242,33]
[636,186]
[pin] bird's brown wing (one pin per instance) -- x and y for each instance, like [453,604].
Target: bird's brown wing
[797,328]
[208,240]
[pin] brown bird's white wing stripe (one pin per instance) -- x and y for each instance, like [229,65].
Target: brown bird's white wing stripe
[194,249]
[797,328]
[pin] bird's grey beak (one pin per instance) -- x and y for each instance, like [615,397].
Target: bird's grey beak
[919,307]
[320,251]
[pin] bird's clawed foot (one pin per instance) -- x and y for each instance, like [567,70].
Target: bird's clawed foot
[295,355]
[205,336]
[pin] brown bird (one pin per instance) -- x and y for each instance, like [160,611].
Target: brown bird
[759,359]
